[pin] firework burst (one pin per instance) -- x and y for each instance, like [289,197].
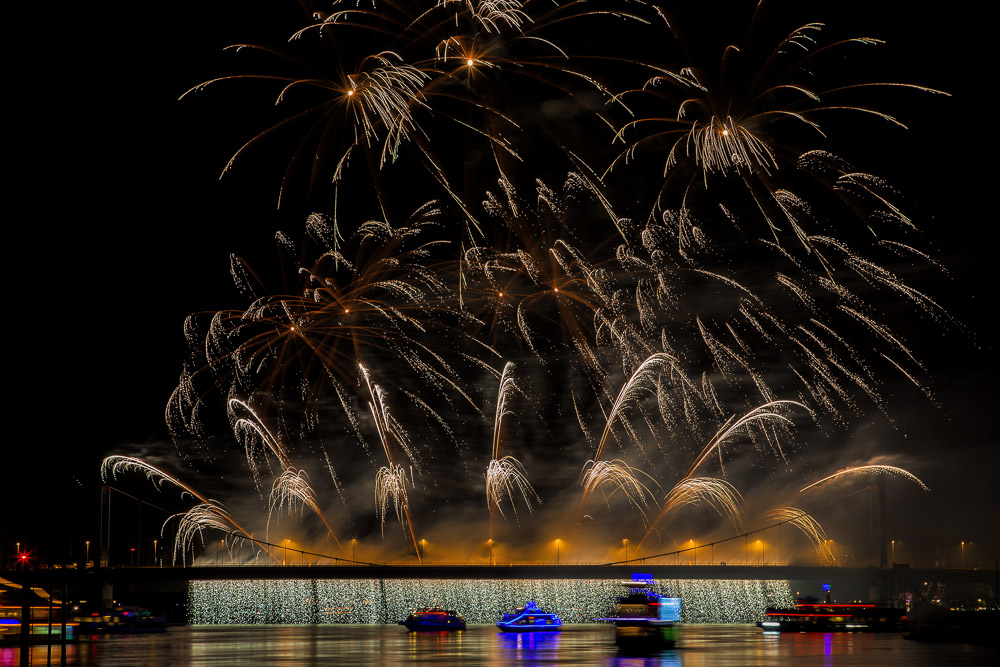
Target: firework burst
[651,330]
[742,119]
[421,74]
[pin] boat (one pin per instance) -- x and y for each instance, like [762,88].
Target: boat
[809,616]
[121,619]
[429,619]
[937,624]
[529,618]
[47,621]
[645,620]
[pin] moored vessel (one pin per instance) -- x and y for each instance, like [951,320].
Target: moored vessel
[433,619]
[828,617]
[120,619]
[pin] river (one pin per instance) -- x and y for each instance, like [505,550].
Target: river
[582,644]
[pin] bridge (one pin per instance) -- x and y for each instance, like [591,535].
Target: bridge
[143,583]
[869,582]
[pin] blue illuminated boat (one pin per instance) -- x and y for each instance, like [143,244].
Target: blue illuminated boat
[433,619]
[529,618]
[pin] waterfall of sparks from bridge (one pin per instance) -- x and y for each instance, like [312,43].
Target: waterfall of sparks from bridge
[391,481]
[505,475]
[386,601]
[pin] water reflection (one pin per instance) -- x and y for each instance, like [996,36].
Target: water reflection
[519,647]
[305,645]
[671,658]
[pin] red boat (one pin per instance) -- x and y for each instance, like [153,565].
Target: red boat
[828,617]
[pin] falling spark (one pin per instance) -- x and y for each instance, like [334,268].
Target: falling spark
[207,514]
[870,470]
[809,526]
[505,475]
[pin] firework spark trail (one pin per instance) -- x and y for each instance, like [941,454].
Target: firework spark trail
[762,414]
[292,485]
[617,475]
[290,491]
[873,470]
[391,485]
[631,391]
[598,473]
[208,514]
[391,480]
[192,523]
[809,526]
[719,494]
[246,427]
[733,426]
[720,145]
[505,474]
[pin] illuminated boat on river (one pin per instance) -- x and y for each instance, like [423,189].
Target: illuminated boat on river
[121,620]
[646,620]
[431,619]
[828,617]
[529,618]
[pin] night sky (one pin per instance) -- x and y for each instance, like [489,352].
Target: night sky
[122,228]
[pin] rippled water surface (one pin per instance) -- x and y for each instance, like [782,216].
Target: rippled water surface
[484,645]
